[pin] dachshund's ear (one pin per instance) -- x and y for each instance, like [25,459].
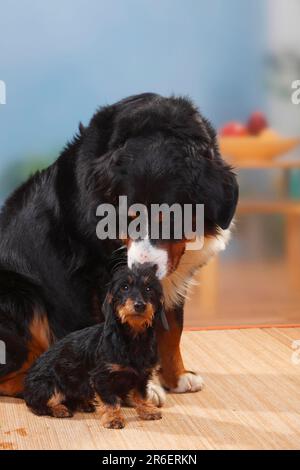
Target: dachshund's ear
[162,315]
[107,308]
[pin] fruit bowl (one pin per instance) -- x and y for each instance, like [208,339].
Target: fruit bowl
[255,148]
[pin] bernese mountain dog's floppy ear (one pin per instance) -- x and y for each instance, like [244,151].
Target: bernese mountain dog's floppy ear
[223,193]
[217,181]
[111,125]
[213,183]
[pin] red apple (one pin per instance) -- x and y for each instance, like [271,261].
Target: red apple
[233,129]
[257,122]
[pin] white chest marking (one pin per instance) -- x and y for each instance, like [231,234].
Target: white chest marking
[141,251]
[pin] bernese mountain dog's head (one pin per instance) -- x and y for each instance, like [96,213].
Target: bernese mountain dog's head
[159,150]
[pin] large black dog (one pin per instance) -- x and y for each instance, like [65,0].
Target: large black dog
[151,149]
[114,359]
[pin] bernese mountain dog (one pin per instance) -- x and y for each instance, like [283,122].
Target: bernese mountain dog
[53,268]
[113,360]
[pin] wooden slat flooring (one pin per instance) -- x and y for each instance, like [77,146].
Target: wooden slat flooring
[251,401]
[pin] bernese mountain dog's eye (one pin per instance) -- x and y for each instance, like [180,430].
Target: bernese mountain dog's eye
[125,287]
[149,288]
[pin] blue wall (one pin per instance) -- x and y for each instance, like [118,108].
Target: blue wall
[60,59]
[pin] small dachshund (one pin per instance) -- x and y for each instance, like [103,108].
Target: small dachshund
[114,360]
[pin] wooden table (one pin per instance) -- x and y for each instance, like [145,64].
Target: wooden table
[207,291]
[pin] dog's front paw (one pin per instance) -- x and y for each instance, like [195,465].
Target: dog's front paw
[111,421]
[149,413]
[111,416]
[116,423]
[188,382]
[156,394]
[61,411]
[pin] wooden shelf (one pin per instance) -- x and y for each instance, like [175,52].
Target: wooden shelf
[268,207]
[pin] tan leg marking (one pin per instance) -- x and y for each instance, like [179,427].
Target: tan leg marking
[61,411]
[13,383]
[144,408]
[112,417]
[58,410]
[169,350]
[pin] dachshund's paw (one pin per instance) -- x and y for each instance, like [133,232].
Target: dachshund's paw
[156,394]
[150,414]
[61,411]
[114,423]
[112,417]
[188,382]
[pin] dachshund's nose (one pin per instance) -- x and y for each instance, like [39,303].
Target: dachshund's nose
[139,306]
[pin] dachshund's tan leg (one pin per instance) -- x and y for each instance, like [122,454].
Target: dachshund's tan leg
[173,374]
[144,408]
[112,417]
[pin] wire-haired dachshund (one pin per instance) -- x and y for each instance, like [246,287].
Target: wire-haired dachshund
[113,360]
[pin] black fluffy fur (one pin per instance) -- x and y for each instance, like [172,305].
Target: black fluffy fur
[150,148]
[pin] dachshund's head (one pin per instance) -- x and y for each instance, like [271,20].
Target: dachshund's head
[135,297]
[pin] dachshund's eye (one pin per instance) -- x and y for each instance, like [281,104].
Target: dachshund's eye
[125,287]
[148,288]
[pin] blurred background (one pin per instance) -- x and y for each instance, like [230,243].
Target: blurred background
[62,59]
